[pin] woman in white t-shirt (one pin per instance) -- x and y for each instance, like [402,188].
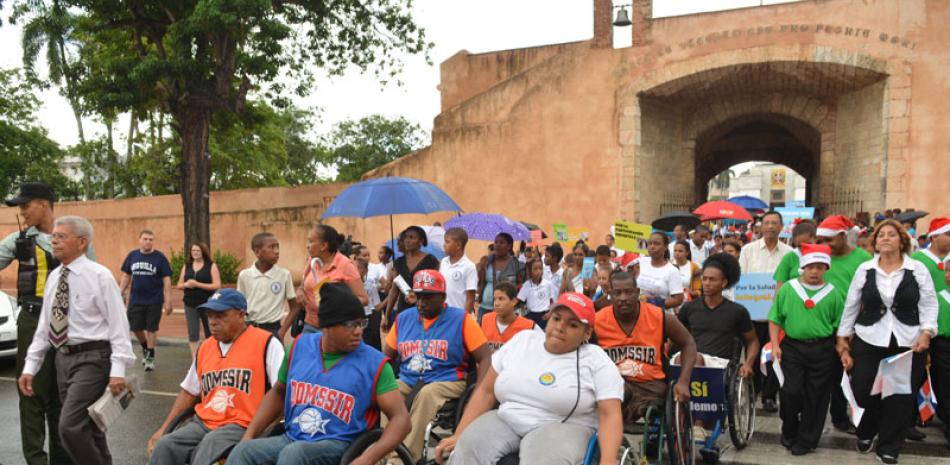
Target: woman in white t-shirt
[659,280]
[554,390]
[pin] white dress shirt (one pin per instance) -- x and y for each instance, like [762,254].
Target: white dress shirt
[879,334]
[96,313]
[757,258]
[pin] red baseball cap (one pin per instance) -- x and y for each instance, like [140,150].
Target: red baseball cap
[428,282]
[578,303]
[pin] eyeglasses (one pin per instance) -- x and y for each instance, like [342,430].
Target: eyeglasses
[351,325]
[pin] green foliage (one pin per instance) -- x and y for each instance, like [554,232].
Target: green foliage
[356,147]
[229,266]
[26,153]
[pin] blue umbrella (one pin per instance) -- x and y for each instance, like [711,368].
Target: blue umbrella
[485,226]
[390,196]
[749,203]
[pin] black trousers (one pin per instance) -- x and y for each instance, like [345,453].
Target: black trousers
[887,418]
[940,377]
[767,385]
[810,368]
[839,405]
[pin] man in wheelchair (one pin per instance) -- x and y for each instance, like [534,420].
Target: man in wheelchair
[331,388]
[633,333]
[434,344]
[230,375]
[716,322]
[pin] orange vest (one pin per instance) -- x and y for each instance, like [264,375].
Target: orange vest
[232,386]
[639,356]
[497,339]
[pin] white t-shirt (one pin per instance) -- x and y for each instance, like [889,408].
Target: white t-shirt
[535,387]
[371,285]
[275,357]
[659,282]
[686,274]
[554,278]
[537,297]
[460,277]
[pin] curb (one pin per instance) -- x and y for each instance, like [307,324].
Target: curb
[171,342]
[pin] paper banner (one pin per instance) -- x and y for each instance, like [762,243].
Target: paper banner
[632,237]
[789,215]
[536,239]
[587,271]
[755,292]
[560,233]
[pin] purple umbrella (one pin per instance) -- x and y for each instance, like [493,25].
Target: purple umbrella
[485,226]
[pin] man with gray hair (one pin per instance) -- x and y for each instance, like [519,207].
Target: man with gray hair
[83,317]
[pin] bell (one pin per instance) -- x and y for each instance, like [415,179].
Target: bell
[622,18]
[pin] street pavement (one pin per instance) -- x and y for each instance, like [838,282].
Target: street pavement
[128,437]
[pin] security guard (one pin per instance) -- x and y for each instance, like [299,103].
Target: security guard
[32,249]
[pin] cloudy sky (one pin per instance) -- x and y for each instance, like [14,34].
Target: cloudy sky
[453,25]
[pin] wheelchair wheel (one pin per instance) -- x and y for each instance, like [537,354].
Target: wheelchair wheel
[462,403]
[679,431]
[181,420]
[400,456]
[741,410]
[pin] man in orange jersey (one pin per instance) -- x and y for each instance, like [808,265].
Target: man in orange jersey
[633,334]
[227,380]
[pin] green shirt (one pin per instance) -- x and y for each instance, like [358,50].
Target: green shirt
[789,312]
[385,383]
[940,284]
[788,268]
[843,268]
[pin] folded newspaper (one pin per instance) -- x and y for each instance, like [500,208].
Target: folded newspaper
[105,411]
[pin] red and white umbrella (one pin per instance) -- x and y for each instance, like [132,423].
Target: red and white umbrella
[722,210]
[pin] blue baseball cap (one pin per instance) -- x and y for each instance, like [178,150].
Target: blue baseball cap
[224,300]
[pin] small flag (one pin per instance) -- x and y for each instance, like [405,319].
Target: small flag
[926,402]
[765,358]
[854,411]
[893,376]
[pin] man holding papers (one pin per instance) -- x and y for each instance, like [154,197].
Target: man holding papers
[808,309]
[891,308]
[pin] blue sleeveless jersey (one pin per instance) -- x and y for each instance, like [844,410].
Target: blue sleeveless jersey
[437,354]
[339,403]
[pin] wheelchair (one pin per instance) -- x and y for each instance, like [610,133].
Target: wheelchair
[446,419]
[356,448]
[666,423]
[724,399]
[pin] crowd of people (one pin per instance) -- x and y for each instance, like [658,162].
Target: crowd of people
[556,351]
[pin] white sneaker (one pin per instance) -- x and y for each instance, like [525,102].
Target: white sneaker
[149,364]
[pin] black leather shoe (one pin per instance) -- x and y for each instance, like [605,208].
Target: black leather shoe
[846,427]
[798,449]
[865,445]
[769,405]
[887,459]
[914,434]
[787,442]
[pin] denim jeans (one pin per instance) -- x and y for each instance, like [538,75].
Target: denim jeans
[281,450]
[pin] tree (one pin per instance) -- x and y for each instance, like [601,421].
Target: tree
[26,153]
[199,59]
[51,27]
[722,182]
[356,147]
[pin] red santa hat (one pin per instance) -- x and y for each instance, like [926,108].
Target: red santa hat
[834,225]
[939,226]
[815,253]
[627,260]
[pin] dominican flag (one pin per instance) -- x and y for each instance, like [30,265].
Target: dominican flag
[765,358]
[926,402]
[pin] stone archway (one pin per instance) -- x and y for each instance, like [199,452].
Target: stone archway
[828,114]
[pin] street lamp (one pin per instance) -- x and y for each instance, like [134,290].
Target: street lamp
[623,19]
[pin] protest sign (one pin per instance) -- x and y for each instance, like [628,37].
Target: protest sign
[789,215]
[707,392]
[587,271]
[560,233]
[632,237]
[755,292]
[536,238]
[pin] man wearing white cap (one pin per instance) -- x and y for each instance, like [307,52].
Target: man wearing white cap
[845,260]
[808,309]
[937,260]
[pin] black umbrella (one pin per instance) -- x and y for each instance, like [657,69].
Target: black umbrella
[911,216]
[669,221]
[534,227]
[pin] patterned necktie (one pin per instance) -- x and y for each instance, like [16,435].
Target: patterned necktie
[59,320]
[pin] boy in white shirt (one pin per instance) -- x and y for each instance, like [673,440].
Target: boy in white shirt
[461,277]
